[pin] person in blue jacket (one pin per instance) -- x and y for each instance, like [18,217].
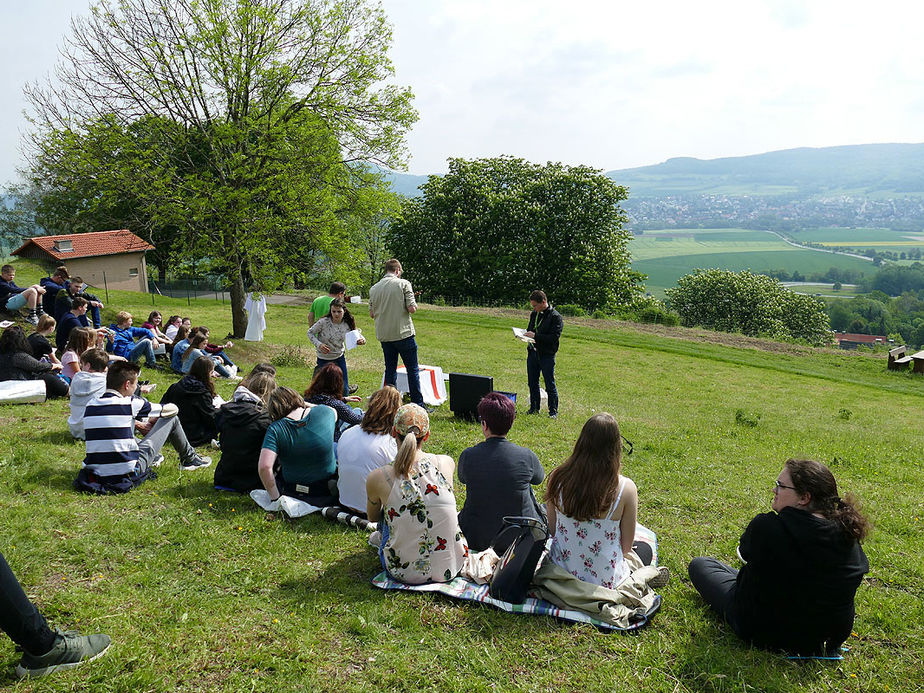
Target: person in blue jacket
[123,340]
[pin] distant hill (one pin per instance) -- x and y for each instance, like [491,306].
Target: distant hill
[869,170]
[404,183]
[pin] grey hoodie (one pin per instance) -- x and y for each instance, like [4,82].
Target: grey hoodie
[85,385]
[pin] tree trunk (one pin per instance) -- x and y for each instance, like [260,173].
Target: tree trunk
[162,273]
[238,314]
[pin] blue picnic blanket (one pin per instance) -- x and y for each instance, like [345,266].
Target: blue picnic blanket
[460,588]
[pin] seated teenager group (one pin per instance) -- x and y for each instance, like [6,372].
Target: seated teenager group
[802,563]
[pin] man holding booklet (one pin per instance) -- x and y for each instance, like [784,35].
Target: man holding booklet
[543,333]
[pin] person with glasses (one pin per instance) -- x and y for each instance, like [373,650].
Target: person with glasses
[802,566]
[593,509]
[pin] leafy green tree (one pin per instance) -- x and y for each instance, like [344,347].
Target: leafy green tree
[752,304]
[494,229]
[243,123]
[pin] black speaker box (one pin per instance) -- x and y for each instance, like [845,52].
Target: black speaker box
[465,391]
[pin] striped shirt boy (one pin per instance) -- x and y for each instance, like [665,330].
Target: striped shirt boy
[109,430]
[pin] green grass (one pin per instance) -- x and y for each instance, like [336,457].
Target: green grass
[205,591]
[667,255]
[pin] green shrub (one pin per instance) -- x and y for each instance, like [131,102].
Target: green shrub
[291,356]
[571,309]
[747,418]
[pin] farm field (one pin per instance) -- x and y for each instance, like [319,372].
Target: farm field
[203,590]
[861,239]
[846,290]
[666,255]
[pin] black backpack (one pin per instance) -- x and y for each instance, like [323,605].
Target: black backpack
[515,570]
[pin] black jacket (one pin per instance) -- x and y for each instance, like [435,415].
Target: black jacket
[197,412]
[797,588]
[547,326]
[242,425]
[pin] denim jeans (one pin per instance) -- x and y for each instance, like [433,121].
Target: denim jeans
[546,365]
[143,348]
[339,361]
[407,350]
[95,316]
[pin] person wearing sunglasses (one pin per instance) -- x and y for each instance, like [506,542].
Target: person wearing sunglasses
[803,564]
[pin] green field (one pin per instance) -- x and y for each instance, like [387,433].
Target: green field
[204,591]
[666,255]
[880,240]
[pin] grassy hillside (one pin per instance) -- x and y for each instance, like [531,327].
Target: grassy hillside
[859,169]
[666,255]
[204,591]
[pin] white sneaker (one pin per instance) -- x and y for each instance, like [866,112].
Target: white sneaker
[169,411]
[159,460]
[375,539]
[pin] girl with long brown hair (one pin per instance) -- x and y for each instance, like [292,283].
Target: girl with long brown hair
[593,508]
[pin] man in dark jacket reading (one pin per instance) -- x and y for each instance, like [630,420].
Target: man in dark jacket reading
[545,325]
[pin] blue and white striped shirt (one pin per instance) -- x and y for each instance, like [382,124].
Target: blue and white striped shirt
[109,430]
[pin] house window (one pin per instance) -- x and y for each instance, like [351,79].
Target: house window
[64,246]
[133,272]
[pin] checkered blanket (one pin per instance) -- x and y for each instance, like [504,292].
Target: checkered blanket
[460,588]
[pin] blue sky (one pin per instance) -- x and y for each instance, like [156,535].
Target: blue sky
[608,84]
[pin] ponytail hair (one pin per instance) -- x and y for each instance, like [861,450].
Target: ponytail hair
[407,452]
[817,480]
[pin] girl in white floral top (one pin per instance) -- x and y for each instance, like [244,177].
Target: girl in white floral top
[413,498]
[592,509]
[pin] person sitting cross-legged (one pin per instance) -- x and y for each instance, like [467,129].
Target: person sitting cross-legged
[413,500]
[123,340]
[87,384]
[115,461]
[301,441]
[43,650]
[499,476]
[242,425]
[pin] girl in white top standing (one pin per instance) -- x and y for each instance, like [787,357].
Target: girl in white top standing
[329,336]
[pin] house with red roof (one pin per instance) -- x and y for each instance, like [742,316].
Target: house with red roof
[850,340]
[111,259]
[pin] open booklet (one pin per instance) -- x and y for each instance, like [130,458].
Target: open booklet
[520,334]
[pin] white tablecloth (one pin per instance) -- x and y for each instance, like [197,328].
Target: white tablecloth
[432,384]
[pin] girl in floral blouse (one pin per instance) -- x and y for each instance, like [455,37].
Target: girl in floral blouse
[592,508]
[413,501]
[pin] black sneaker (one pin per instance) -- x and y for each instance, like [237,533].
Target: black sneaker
[353,389]
[196,462]
[71,649]
[552,414]
[533,411]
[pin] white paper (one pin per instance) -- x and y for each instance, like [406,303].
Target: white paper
[520,334]
[355,299]
[351,339]
[217,401]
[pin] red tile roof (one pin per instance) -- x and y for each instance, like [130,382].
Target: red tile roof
[90,244]
[860,338]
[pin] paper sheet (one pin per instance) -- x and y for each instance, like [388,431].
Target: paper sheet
[351,338]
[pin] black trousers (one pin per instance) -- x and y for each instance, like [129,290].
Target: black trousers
[18,616]
[716,583]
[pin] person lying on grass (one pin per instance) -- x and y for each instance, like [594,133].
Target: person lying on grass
[803,564]
[115,461]
[297,457]
[413,497]
[593,508]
